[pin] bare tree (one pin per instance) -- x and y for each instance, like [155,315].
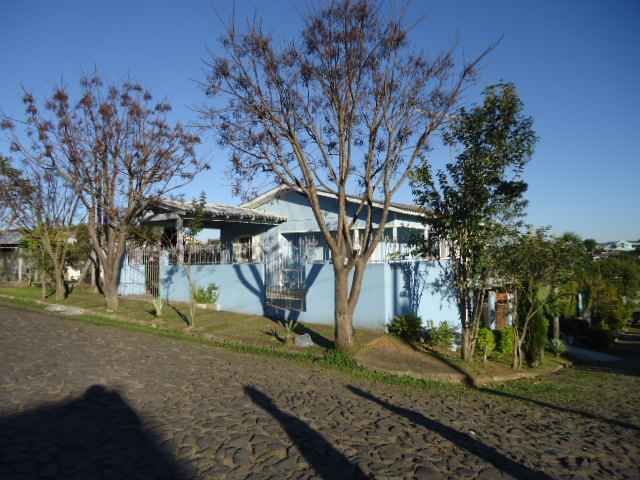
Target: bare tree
[347,108]
[121,153]
[39,201]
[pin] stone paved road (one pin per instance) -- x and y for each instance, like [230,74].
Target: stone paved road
[81,401]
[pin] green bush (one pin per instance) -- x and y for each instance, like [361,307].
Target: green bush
[408,326]
[504,341]
[556,346]
[486,342]
[206,295]
[442,335]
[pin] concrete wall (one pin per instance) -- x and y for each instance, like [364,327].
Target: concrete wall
[388,290]
[413,287]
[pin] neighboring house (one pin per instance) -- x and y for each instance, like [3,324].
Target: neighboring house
[12,264]
[619,246]
[270,259]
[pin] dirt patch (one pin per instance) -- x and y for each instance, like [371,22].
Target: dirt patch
[391,355]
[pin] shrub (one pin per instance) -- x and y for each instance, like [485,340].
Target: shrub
[537,338]
[556,346]
[504,341]
[206,295]
[442,335]
[408,326]
[486,342]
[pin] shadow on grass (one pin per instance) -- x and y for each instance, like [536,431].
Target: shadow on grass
[281,316]
[468,378]
[326,460]
[559,408]
[317,338]
[459,439]
[182,316]
[97,435]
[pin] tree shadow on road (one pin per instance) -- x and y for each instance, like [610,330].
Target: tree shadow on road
[98,435]
[459,439]
[559,408]
[325,459]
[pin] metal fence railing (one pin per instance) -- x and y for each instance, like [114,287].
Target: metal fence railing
[214,254]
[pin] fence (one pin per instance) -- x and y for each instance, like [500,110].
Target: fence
[214,254]
[140,273]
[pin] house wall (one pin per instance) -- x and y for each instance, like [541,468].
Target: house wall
[387,291]
[295,207]
[413,287]
[300,220]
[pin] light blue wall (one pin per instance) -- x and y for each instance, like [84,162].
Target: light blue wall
[295,207]
[413,287]
[385,292]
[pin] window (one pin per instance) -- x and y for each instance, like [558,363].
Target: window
[242,250]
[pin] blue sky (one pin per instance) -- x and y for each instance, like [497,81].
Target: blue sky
[575,63]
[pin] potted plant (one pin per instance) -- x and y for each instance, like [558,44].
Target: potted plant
[207,297]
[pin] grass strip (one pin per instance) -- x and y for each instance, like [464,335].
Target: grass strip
[332,360]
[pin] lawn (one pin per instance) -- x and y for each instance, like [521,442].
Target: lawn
[223,326]
[372,350]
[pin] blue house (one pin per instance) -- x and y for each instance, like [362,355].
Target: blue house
[270,259]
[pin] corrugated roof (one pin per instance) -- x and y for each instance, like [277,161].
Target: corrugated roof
[221,211]
[10,237]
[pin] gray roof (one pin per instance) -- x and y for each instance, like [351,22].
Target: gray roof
[222,212]
[10,237]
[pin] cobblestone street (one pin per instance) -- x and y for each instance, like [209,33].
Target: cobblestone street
[83,401]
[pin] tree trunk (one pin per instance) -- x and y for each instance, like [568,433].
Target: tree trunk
[343,313]
[59,287]
[111,297]
[556,333]
[43,284]
[110,287]
[515,362]
[466,349]
[58,271]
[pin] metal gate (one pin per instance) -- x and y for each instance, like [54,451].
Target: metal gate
[284,271]
[140,273]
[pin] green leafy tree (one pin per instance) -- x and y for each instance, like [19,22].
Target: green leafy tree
[478,198]
[612,285]
[590,245]
[527,264]
[571,258]
[621,272]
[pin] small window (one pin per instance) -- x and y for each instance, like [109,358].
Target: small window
[242,252]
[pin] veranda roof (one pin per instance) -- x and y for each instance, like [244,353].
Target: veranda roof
[215,213]
[10,238]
